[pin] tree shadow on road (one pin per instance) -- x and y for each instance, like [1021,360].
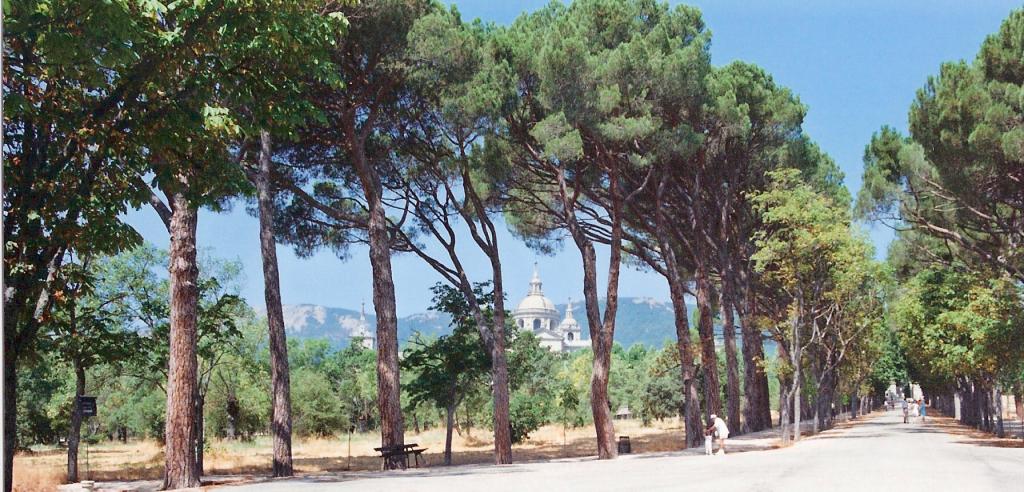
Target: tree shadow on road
[969,435]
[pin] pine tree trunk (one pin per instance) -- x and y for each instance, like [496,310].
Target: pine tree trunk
[732,379]
[677,291]
[389,393]
[500,376]
[755,381]
[75,430]
[732,383]
[602,331]
[705,329]
[389,396]
[180,433]
[499,372]
[691,405]
[599,404]
[10,406]
[280,379]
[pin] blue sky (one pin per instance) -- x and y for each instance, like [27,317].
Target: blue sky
[856,65]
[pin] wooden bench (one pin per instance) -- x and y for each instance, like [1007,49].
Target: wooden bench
[404,451]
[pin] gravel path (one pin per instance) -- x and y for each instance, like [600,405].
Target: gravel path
[880,453]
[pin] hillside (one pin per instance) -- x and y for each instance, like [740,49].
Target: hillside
[639,320]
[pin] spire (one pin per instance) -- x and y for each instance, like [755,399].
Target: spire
[568,310]
[535,283]
[362,311]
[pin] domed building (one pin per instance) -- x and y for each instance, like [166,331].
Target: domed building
[535,312]
[539,315]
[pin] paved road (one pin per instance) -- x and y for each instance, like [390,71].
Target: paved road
[879,454]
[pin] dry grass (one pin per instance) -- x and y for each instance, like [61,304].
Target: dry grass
[46,468]
[43,470]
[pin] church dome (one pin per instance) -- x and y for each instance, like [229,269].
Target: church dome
[535,300]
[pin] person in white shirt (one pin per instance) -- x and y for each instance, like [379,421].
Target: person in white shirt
[721,432]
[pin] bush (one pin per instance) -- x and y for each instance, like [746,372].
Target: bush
[316,408]
[527,413]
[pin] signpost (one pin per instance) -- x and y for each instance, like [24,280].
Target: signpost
[87,406]
[351,429]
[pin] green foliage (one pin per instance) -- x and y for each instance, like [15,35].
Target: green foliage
[891,364]
[527,412]
[830,293]
[236,400]
[954,324]
[451,366]
[956,178]
[315,405]
[570,414]
[113,322]
[662,393]
[532,384]
[955,181]
[145,304]
[356,377]
[349,373]
[44,408]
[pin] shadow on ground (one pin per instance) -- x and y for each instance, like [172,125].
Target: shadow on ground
[941,424]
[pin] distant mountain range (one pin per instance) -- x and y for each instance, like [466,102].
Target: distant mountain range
[639,320]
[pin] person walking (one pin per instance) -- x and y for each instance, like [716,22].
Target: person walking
[923,408]
[721,432]
[906,410]
[914,410]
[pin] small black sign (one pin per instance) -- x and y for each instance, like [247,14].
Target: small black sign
[87,406]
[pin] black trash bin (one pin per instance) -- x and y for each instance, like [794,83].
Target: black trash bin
[624,446]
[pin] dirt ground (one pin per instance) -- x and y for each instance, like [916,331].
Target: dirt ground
[875,452]
[45,468]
